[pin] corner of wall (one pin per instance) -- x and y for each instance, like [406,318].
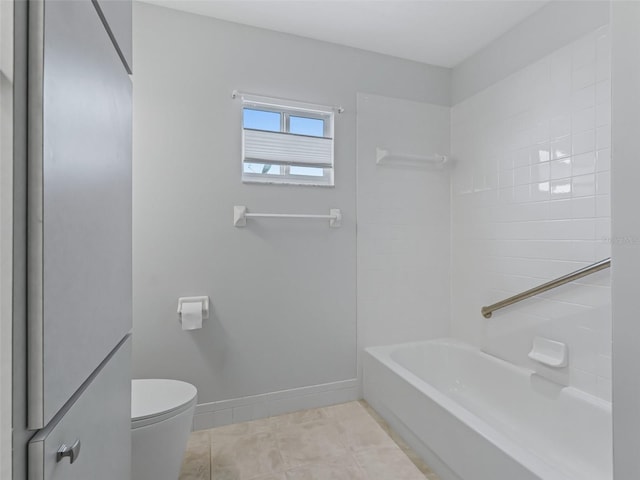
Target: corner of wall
[562,22]
[625,236]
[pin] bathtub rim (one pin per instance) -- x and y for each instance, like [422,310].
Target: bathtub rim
[529,460]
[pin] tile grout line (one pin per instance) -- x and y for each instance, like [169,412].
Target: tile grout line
[210,455]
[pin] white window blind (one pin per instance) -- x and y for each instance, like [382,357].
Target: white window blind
[287,149]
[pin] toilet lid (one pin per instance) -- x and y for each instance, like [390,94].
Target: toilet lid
[155,397]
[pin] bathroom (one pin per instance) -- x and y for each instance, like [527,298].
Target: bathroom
[468,162]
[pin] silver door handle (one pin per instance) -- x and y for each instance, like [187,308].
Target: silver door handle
[69,451]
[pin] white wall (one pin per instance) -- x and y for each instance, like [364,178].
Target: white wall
[403,223]
[283,332]
[6,232]
[626,235]
[558,23]
[531,201]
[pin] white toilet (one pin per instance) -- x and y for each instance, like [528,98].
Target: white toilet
[161,418]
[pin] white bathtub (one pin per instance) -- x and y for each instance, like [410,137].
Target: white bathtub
[472,416]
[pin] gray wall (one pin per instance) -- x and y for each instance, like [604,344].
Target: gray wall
[554,25]
[283,292]
[625,69]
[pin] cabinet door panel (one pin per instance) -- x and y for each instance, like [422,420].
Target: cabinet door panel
[100,420]
[79,202]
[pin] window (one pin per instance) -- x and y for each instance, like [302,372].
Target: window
[286,142]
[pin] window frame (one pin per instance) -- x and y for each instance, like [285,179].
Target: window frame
[286,110]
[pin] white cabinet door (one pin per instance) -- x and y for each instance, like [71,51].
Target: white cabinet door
[98,421]
[79,232]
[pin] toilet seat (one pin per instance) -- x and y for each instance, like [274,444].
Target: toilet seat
[155,400]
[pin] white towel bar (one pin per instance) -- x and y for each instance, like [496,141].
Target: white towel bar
[386,157]
[240,216]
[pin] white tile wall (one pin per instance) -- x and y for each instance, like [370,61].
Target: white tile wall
[530,201]
[403,238]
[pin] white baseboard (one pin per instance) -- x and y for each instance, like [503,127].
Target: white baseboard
[236,410]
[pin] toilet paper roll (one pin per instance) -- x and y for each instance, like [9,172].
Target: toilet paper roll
[191,315]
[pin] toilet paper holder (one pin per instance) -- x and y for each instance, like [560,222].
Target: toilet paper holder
[203,300]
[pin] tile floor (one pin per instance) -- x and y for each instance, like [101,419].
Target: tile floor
[342,442]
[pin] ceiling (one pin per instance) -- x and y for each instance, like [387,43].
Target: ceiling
[438,32]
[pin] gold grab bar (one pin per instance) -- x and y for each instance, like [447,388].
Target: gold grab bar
[583,272]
